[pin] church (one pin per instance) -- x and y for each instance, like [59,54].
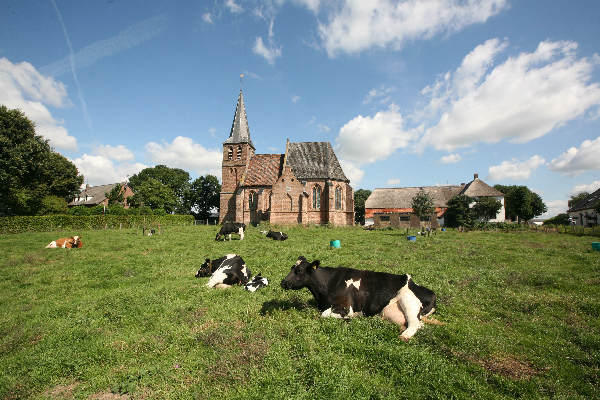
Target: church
[305,185]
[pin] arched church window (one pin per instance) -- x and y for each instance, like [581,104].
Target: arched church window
[316,197]
[239,152]
[230,153]
[253,200]
[338,198]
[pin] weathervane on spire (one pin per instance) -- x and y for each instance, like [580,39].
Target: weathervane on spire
[241,81]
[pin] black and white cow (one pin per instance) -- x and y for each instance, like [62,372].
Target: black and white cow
[347,292]
[231,227]
[275,235]
[225,271]
[256,283]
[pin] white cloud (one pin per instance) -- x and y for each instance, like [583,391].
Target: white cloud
[393,181]
[323,128]
[270,52]
[369,139]
[312,5]
[117,153]
[555,207]
[100,170]
[23,87]
[514,169]
[451,159]
[233,7]
[185,154]
[590,187]
[522,99]
[381,94]
[207,17]
[360,25]
[295,99]
[352,172]
[577,160]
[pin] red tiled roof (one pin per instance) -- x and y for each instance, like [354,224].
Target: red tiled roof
[263,169]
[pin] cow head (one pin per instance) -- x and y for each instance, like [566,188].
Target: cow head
[76,241]
[205,269]
[300,274]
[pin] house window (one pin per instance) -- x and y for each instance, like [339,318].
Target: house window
[230,153]
[384,218]
[253,201]
[317,197]
[239,153]
[405,218]
[338,198]
[426,218]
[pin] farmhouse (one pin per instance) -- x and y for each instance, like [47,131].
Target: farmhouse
[305,185]
[583,212]
[393,206]
[96,195]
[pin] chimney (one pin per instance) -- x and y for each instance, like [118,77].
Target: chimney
[475,176]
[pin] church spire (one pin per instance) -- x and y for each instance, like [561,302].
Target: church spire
[240,133]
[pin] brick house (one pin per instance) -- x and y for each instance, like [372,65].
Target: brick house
[96,195]
[393,206]
[305,185]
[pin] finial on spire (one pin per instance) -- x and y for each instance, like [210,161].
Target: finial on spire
[241,80]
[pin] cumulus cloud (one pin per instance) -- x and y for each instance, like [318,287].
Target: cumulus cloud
[519,100]
[369,139]
[577,160]
[185,154]
[352,171]
[451,159]
[23,87]
[514,169]
[555,207]
[360,25]
[589,187]
[101,170]
[117,153]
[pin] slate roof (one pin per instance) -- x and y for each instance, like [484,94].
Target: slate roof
[94,194]
[263,170]
[402,197]
[314,160]
[586,203]
[478,188]
[240,132]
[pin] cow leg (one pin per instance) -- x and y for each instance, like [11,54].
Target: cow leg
[241,233]
[229,237]
[221,286]
[329,313]
[411,306]
[393,313]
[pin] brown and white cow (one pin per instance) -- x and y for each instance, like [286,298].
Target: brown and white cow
[347,293]
[73,241]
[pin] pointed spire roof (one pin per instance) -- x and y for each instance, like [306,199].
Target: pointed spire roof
[240,132]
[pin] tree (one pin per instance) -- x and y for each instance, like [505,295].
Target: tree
[53,205]
[521,203]
[459,213]
[560,219]
[360,197]
[29,169]
[177,180]
[203,196]
[576,198]
[422,204]
[116,195]
[486,208]
[154,194]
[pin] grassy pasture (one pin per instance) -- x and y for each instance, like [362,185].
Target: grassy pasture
[124,317]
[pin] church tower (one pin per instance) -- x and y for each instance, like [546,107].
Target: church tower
[237,152]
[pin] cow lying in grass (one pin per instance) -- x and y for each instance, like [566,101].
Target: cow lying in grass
[225,271]
[275,235]
[68,243]
[258,282]
[231,227]
[346,293]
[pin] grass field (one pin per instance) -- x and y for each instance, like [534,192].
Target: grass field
[124,317]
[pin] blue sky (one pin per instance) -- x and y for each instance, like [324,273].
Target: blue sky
[409,93]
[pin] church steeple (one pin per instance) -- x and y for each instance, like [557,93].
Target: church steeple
[240,132]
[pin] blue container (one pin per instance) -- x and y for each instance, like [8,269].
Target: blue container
[596,246]
[411,238]
[335,244]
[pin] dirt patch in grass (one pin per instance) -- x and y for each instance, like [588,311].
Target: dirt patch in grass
[61,391]
[507,366]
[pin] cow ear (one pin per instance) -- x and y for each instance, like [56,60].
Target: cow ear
[207,260]
[315,264]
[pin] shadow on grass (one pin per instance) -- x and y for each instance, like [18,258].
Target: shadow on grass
[269,306]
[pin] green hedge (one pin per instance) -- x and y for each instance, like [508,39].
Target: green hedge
[46,223]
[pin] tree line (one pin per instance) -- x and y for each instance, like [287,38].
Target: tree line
[36,180]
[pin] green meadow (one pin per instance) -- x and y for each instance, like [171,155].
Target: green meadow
[125,318]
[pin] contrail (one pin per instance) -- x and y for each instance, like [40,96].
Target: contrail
[126,39]
[86,116]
